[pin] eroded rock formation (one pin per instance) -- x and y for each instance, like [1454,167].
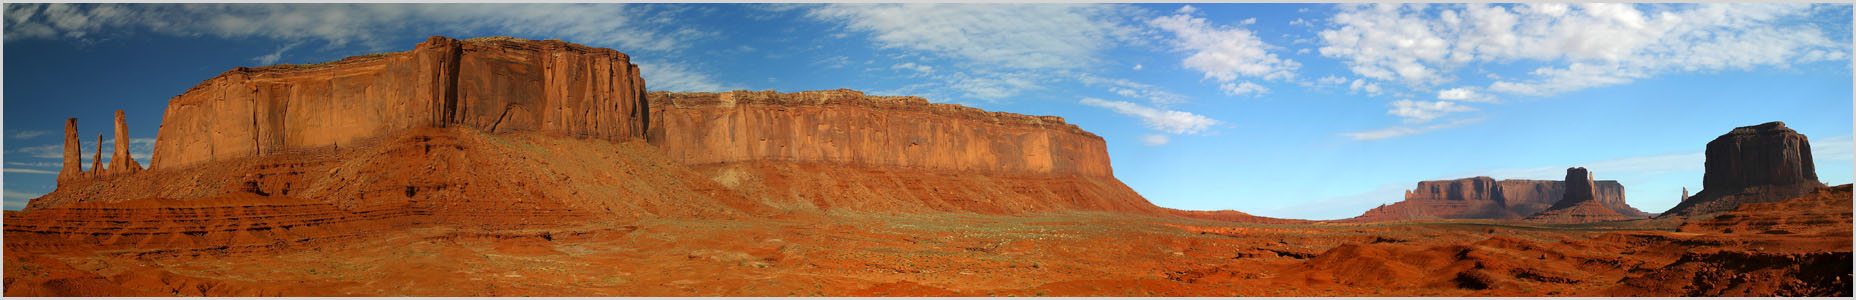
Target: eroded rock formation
[1486,198]
[1753,164]
[73,153]
[492,84]
[1579,204]
[122,162]
[848,127]
[96,159]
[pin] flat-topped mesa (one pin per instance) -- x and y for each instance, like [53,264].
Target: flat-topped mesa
[1752,164]
[494,84]
[1485,198]
[849,127]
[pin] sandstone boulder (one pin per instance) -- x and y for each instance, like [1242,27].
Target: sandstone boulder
[1753,164]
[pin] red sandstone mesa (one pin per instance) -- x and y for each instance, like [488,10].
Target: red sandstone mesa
[490,84]
[1753,164]
[1486,198]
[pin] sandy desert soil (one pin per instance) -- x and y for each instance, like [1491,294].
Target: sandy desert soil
[1070,254]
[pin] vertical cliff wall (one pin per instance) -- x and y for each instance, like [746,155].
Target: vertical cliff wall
[1752,164]
[493,84]
[848,127]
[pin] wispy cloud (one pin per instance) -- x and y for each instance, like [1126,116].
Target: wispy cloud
[630,27]
[16,200]
[271,59]
[1169,121]
[1419,112]
[1155,139]
[1404,130]
[678,77]
[29,171]
[27,134]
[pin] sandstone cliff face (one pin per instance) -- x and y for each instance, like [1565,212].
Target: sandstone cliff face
[848,127]
[1753,164]
[492,84]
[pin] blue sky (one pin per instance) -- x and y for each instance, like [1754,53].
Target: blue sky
[1287,110]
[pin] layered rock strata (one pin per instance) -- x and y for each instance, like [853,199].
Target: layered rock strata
[491,84]
[848,127]
[1752,164]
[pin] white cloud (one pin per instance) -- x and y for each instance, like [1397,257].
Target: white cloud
[624,26]
[1417,112]
[1242,88]
[1637,165]
[909,66]
[27,134]
[271,59]
[1833,148]
[1137,67]
[1360,85]
[1155,139]
[1399,131]
[1331,80]
[1001,50]
[1127,88]
[676,77]
[1170,121]
[29,171]
[1582,46]
[1011,36]
[1224,53]
[1464,94]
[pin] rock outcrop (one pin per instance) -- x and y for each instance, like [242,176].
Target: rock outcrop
[1579,204]
[1753,164]
[1825,211]
[96,159]
[491,84]
[1486,198]
[122,162]
[73,153]
[848,127]
[844,150]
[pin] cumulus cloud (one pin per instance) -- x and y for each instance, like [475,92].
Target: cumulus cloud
[1169,121]
[1399,131]
[627,27]
[1225,53]
[1582,45]
[677,77]
[1416,112]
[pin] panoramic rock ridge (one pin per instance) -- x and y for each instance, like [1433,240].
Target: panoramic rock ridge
[1483,197]
[848,127]
[495,84]
[1752,164]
